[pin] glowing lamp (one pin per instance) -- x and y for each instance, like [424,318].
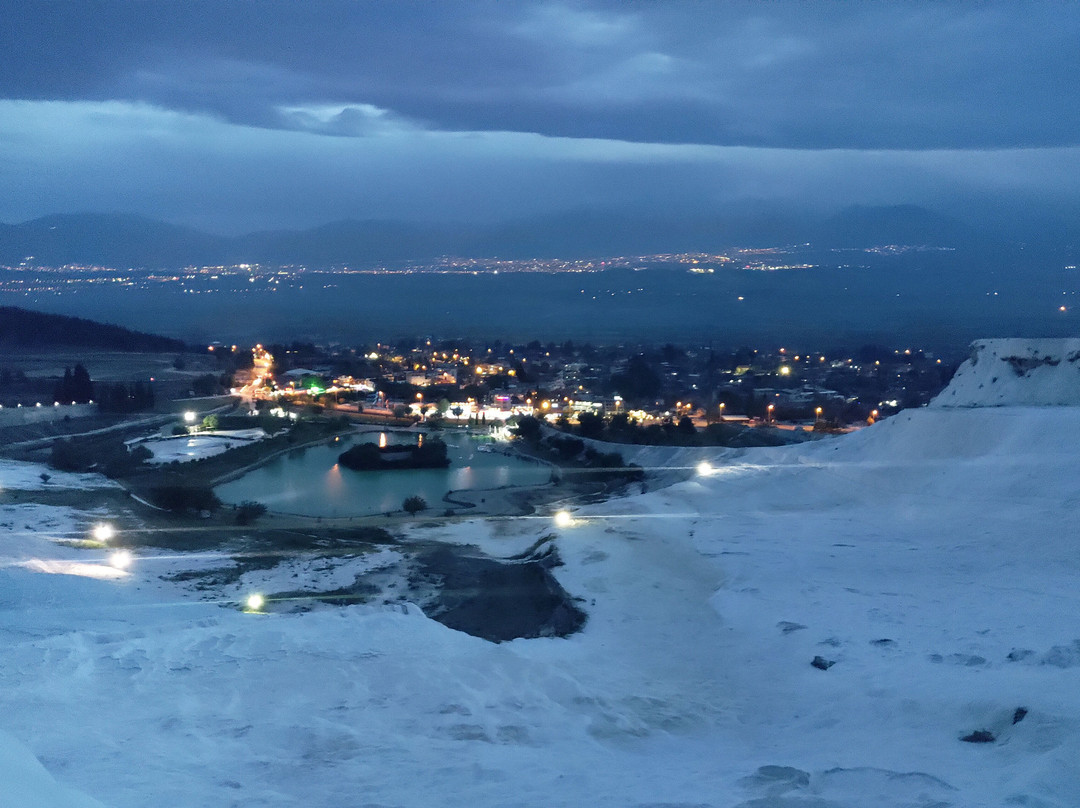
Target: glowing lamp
[121,559]
[255,602]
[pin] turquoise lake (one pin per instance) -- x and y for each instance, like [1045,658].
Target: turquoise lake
[309,482]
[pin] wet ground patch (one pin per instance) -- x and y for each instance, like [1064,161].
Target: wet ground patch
[495,599]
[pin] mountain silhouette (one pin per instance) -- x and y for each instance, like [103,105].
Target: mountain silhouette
[129,241]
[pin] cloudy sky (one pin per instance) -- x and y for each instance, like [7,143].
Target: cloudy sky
[233,116]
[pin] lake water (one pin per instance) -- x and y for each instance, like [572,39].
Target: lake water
[310,481]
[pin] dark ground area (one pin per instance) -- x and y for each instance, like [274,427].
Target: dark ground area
[499,600]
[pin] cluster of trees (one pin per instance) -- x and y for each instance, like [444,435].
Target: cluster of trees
[109,455]
[209,384]
[184,498]
[248,511]
[573,450]
[75,387]
[431,454]
[612,465]
[620,428]
[639,381]
[120,397]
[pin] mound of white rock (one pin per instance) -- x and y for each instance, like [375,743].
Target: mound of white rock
[1016,372]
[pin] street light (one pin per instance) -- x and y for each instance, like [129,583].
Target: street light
[104,532]
[563,519]
[770,409]
[255,602]
[189,417]
[722,410]
[817,413]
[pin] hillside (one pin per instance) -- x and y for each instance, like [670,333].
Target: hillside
[1012,372]
[887,618]
[24,329]
[123,241]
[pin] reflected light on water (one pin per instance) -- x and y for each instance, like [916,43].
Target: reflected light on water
[81,569]
[313,484]
[334,483]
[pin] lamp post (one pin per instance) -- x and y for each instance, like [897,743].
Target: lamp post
[769,417]
[721,412]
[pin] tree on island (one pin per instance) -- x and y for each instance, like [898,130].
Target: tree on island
[432,454]
[414,504]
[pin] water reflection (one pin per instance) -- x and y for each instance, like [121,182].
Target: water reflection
[310,482]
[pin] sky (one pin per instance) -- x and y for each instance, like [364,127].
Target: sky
[238,116]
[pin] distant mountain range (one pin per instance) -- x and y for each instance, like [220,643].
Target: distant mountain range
[127,241]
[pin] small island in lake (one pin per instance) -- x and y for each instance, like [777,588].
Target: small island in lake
[430,454]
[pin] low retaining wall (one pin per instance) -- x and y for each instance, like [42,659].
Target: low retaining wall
[204,404]
[19,416]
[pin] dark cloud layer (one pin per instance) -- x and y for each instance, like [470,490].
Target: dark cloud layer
[260,113]
[791,75]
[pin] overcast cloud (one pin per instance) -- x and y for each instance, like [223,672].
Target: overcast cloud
[259,114]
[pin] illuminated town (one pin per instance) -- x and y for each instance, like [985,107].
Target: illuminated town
[471,384]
